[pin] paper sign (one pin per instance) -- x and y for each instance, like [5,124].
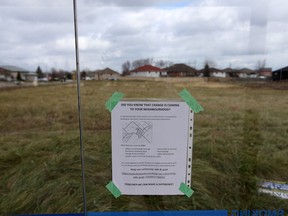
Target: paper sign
[151,147]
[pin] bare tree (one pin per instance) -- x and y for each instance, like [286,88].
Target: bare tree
[141,62]
[163,63]
[159,63]
[260,64]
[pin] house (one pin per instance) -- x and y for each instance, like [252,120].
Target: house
[147,71]
[30,77]
[9,73]
[181,70]
[105,74]
[247,73]
[214,72]
[265,73]
[280,74]
[230,72]
[5,75]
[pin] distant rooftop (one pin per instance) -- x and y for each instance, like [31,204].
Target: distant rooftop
[13,68]
[179,68]
[107,71]
[147,68]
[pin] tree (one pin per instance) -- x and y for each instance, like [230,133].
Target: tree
[206,70]
[163,63]
[54,74]
[160,63]
[19,78]
[126,68]
[68,75]
[261,64]
[83,75]
[141,62]
[210,63]
[39,73]
[62,75]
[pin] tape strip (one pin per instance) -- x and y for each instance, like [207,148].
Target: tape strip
[113,100]
[191,101]
[186,190]
[113,189]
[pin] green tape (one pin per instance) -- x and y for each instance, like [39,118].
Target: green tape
[191,101]
[186,190]
[113,189]
[113,100]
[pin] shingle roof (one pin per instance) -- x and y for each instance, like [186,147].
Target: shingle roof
[147,68]
[227,70]
[281,69]
[280,74]
[107,71]
[180,68]
[14,68]
[246,70]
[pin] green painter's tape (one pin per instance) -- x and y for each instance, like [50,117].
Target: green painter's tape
[113,100]
[113,189]
[186,190]
[191,101]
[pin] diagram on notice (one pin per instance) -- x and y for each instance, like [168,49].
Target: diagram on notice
[137,132]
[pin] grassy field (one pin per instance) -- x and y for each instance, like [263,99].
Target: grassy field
[241,137]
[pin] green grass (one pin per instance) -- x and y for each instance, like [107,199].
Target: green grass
[241,137]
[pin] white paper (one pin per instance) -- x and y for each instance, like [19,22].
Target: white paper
[150,145]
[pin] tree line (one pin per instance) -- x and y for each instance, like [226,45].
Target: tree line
[131,65]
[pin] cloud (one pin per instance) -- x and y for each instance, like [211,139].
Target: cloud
[111,32]
[133,3]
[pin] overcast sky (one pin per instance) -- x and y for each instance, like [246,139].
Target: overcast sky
[228,32]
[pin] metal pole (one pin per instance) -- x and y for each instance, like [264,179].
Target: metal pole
[79,107]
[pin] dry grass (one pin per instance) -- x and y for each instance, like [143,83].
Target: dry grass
[240,137]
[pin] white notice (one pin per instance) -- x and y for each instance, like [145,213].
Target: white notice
[151,147]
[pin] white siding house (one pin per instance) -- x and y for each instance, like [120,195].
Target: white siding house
[148,71]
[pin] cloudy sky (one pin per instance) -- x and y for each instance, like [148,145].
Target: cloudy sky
[228,32]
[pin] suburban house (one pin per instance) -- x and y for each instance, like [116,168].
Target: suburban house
[265,73]
[105,74]
[31,77]
[214,72]
[230,72]
[280,74]
[237,73]
[181,70]
[147,71]
[9,73]
[247,73]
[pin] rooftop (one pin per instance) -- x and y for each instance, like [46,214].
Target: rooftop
[147,68]
[14,68]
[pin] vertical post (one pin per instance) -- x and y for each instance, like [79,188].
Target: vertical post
[79,107]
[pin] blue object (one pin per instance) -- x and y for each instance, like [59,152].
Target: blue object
[146,213]
[163,213]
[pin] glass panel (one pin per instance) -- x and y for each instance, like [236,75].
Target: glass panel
[222,52]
